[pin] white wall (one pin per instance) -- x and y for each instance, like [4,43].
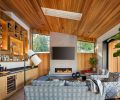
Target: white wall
[63,40]
[99,44]
[20,22]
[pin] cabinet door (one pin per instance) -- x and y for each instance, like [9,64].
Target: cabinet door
[36,75]
[31,74]
[3,87]
[20,80]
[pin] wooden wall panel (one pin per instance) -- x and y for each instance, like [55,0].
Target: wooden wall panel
[83,60]
[113,62]
[45,64]
[118,64]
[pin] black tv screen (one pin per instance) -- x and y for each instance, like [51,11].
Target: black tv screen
[63,53]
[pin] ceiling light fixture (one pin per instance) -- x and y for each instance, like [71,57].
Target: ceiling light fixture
[61,13]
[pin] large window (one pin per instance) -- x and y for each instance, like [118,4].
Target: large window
[41,43]
[85,47]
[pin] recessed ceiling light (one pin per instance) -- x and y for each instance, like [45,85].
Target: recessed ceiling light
[62,14]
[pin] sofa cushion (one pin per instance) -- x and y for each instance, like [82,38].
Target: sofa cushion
[112,89]
[48,83]
[76,83]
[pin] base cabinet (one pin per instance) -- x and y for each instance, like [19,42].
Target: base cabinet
[30,75]
[19,80]
[3,88]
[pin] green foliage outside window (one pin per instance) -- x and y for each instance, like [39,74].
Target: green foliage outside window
[41,43]
[85,47]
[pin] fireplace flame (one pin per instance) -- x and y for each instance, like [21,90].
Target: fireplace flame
[63,70]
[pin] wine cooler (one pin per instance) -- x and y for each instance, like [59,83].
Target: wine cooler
[11,84]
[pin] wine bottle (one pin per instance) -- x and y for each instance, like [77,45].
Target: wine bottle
[1,30]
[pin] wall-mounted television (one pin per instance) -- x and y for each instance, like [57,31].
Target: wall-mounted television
[63,53]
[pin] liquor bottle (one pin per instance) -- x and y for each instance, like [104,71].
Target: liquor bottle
[0,68]
[5,69]
[20,35]
[9,27]
[15,35]
[15,27]
[1,29]
[0,43]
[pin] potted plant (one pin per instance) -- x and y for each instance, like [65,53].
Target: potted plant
[93,62]
[117,53]
[117,46]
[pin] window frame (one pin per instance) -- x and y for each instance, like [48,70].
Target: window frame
[36,51]
[87,42]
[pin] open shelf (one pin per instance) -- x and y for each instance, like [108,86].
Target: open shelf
[13,40]
[4,35]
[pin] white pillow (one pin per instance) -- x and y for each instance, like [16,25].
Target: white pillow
[92,84]
[103,71]
[100,86]
[61,83]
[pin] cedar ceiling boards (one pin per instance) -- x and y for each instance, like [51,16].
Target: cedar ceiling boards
[98,16]
[28,10]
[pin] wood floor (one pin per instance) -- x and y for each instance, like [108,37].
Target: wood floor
[18,95]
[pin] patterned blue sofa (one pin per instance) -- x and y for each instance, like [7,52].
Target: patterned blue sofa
[61,93]
[60,90]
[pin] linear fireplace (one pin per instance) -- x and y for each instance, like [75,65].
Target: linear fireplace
[62,63]
[63,70]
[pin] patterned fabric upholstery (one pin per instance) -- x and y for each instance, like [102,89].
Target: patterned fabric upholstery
[100,76]
[75,83]
[112,85]
[113,77]
[60,93]
[112,89]
[48,83]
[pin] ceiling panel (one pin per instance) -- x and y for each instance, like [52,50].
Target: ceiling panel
[98,16]
[29,11]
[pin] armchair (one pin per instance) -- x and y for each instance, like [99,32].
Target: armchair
[105,74]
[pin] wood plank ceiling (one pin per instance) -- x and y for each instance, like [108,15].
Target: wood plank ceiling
[98,16]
